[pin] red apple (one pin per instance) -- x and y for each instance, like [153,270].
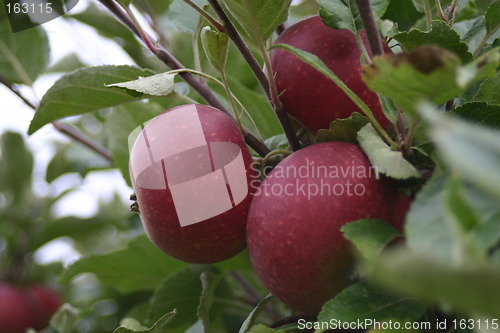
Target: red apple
[16,313]
[190,169]
[307,94]
[45,302]
[293,228]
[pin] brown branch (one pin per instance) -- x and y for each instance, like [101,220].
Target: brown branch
[64,128]
[372,33]
[169,60]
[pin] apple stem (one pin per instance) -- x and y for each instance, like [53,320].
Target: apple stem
[266,82]
[62,127]
[372,33]
[168,59]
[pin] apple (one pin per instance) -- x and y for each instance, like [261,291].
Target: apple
[308,95]
[191,172]
[45,302]
[293,228]
[16,313]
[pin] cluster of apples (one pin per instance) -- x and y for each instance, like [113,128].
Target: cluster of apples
[201,201]
[23,308]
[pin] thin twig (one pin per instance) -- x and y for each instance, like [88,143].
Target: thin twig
[76,135]
[442,15]
[372,33]
[230,30]
[411,133]
[267,82]
[64,128]
[428,14]
[200,87]
[205,15]
[142,34]
[484,40]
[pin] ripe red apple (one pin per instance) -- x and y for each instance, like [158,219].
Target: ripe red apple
[190,169]
[22,308]
[307,94]
[45,302]
[293,228]
[16,313]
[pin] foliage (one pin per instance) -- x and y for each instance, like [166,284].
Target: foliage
[439,88]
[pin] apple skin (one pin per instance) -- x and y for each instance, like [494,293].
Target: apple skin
[45,302]
[16,312]
[212,240]
[308,95]
[295,242]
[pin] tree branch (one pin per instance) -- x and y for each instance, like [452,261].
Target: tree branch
[372,33]
[266,82]
[64,128]
[174,64]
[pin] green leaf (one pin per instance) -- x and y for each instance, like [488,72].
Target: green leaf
[462,219]
[437,281]
[343,129]
[216,46]
[404,13]
[121,123]
[382,157]
[259,18]
[158,327]
[156,85]
[441,34]
[344,14]
[183,16]
[492,17]
[488,92]
[16,168]
[140,266]
[277,142]
[65,319]
[389,108]
[261,329]
[427,73]
[369,236]
[79,229]
[209,283]
[470,149]
[68,63]
[480,113]
[24,55]
[477,27]
[158,7]
[183,292]
[250,320]
[73,157]
[429,231]
[84,91]
[361,301]
[258,107]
